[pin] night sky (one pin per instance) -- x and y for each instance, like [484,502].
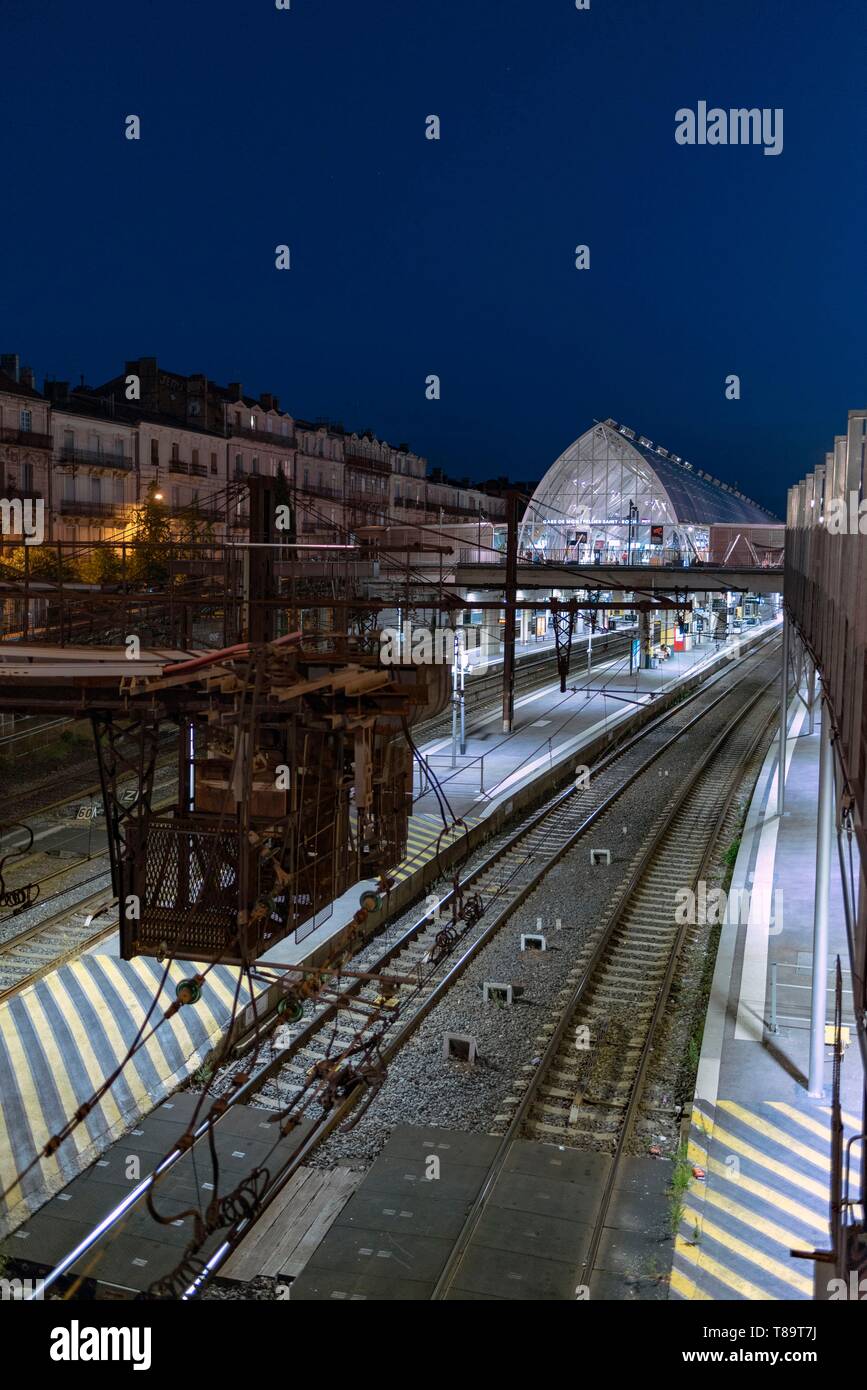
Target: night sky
[456,257]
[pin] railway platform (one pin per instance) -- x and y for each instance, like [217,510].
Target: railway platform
[762,1143]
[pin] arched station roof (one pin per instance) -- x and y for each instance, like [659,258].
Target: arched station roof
[611,479]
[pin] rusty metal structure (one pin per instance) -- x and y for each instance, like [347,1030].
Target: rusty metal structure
[294,782]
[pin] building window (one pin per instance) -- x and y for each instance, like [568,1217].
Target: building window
[27,477]
[175,453]
[238,467]
[26,421]
[155,452]
[213,463]
[195,456]
[255,464]
[68,441]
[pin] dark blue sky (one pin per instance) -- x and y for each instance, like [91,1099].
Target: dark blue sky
[412,257]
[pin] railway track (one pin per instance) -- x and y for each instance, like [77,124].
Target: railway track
[321,1070]
[585,1093]
[32,953]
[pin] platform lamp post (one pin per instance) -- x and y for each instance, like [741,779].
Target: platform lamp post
[633,516]
[460,662]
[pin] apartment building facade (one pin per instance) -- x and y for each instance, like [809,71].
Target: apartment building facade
[95,455]
[25,435]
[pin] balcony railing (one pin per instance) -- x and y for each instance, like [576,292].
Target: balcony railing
[450,511]
[74,506]
[368,465]
[277,441]
[366,499]
[113,462]
[30,438]
[320,490]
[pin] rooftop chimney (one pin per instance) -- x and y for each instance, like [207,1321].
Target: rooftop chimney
[234,389]
[28,378]
[9,364]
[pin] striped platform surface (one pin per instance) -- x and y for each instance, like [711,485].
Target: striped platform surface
[423,842]
[766,1193]
[61,1037]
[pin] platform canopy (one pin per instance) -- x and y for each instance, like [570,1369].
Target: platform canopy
[614,497]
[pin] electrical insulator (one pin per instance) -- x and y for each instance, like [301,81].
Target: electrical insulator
[189,991]
[291,1009]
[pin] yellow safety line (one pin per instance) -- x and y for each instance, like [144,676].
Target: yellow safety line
[21,1071]
[750,1253]
[789,1239]
[118,1048]
[58,1062]
[703,1261]
[19,1060]
[851,1121]
[791,1175]
[687,1288]
[759,1189]
[805,1121]
[8,1170]
[777,1135]
[824,1131]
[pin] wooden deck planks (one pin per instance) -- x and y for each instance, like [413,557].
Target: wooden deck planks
[286,1237]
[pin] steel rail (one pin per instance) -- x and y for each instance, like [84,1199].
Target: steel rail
[52,924]
[516,1125]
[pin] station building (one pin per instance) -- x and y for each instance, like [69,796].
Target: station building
[614,497]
